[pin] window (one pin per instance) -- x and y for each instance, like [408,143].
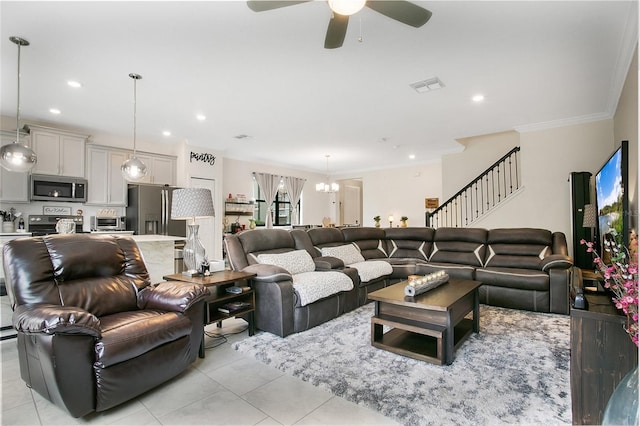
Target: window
[281,207]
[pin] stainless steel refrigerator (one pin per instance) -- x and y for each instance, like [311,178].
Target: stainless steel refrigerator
[149,211]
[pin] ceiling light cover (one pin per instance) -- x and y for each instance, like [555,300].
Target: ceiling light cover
[427,85]
[15,156]
[346,7]
[134,169]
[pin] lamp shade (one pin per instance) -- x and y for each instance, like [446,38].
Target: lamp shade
[191,203]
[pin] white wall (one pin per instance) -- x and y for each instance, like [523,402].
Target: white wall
[399,192]
[626,129]
[547,159]
[190,167]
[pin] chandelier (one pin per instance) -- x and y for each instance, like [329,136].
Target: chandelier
[327,187]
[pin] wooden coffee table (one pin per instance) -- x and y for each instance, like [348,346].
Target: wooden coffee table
[428,327]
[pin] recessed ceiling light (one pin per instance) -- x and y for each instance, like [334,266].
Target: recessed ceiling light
[478,98]
[74,84]
[54,111]
[201,117]
[166,133]
[412,157]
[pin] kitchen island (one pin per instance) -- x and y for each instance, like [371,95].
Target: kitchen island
[158,252]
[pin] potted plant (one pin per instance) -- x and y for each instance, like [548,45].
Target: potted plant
[403,221]
[377,220]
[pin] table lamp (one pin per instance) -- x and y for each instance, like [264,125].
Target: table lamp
[190,203]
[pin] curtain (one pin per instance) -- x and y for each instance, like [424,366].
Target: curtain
[269,186]
[294,187]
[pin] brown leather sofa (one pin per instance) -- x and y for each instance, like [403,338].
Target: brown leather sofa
[521,268]
[93,332]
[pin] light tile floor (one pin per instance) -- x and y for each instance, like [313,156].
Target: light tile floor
[224,388]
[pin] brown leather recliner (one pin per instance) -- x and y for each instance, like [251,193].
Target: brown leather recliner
[92,330]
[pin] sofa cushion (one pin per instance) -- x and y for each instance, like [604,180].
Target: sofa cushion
[372,269]
[527,256]
[348,253]
[464,246]
[147,328]
[313,286]
[370,241]
[296,261]
[524,279]
[454,270]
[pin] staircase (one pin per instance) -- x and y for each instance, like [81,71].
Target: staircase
[481,195]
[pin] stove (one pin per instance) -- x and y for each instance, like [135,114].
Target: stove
[44,224]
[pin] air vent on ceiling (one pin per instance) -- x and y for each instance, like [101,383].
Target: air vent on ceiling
[427,85]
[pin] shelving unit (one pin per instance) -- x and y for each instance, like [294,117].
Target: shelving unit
[232,208]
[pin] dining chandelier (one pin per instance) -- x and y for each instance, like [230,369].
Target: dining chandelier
[327,187]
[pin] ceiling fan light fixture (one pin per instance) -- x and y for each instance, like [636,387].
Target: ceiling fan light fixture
[346,7]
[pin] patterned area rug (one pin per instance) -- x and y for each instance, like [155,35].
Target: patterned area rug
[515,371]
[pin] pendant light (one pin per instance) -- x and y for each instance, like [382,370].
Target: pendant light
[134,169]
[15,156]
[327,187]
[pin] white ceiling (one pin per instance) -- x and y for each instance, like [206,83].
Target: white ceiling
[267,75]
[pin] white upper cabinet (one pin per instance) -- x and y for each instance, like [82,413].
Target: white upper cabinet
[161,169]
[59,152]
[107,186]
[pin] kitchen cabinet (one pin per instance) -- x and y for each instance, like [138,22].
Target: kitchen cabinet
[107,186]
[161,169]
[14,186]
[59,152]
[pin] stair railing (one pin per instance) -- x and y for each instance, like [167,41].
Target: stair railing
[482,194]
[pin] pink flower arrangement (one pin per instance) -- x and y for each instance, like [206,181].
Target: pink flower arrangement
[621,277]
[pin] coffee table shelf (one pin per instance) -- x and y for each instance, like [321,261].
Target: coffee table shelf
[429,327]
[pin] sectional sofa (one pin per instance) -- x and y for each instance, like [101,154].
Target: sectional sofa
[297,287]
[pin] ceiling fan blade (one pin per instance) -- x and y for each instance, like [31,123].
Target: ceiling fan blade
[263,5]
[402,11]
[336,31]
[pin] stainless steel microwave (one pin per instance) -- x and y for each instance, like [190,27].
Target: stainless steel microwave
[58,188]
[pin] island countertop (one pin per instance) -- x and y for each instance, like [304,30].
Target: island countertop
[155,238]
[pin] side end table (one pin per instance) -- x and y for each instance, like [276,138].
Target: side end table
[218,282]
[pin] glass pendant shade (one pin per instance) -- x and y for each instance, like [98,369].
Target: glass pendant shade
[133,169]
[346,7]
[193,252]
[16,157]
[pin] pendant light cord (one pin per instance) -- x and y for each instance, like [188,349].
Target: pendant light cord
[135,78]
[18,105]
[135,120]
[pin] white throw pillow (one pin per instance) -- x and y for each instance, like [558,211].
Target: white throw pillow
[348,253]
[296,262]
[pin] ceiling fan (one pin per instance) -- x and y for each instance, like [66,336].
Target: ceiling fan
[399,10]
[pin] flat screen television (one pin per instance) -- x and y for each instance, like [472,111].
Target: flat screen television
[612,198]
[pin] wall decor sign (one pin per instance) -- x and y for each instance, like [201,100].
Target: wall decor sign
[431,203]
[204,157]
[53,210]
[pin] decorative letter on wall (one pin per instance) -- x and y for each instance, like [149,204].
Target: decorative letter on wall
[204,157]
